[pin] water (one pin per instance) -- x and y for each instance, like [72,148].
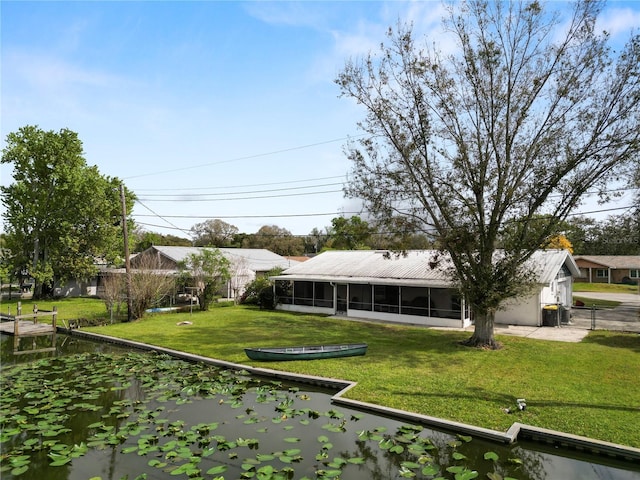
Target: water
[141,415]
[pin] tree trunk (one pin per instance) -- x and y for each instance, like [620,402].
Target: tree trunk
[483,333]
[37,284]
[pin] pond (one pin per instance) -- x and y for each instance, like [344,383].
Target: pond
[97,411]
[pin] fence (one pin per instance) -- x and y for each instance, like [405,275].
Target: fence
[621,318]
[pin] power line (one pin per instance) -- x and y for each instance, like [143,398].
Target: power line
[230,217]
[202,197]
[188,189]
[239,198]
[162,218]
[248,157]
[197,217]
[602,211]
[185,197]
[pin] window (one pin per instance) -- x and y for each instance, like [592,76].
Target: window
[284,291]
[360,296]
[602,273]
[634,273]
[414,301]
[303,293]
[386,298]
[323,295]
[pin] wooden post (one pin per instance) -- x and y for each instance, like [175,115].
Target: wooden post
[55,318]
[19,310]
[127,261]
[35,313]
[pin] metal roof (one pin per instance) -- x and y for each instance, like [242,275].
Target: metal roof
[547,263]
[256,259]
[415,267]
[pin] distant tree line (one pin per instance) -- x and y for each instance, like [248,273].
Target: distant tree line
[614,235]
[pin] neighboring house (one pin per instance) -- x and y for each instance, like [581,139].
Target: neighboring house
[246,263]
[608,268]
[76,288]
[411,288]
[80,287]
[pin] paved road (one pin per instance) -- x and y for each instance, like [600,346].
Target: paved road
[625,316]
[629,299]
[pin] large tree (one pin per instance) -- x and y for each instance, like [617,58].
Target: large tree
[615,235]
[315,241]
[277,239]
[351,233]
[496,143]
[61,214]
[214,233]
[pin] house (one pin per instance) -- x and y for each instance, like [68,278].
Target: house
[608,268]
[410,288]
[246,263]
[77,287]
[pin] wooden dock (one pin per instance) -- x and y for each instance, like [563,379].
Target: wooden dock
[26,328]
[21,326]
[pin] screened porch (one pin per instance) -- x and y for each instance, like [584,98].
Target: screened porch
[365,299]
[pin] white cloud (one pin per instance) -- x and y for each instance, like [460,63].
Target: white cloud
[45,72]
[298,14]
[619,22]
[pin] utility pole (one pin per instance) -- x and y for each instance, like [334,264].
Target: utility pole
[127,262]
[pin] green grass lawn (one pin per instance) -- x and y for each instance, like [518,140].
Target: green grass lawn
[604,287]
[68,308]
[589,388]
[595,302]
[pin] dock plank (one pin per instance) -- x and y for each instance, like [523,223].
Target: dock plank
[27,328]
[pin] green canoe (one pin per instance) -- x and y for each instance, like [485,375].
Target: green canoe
[312,352]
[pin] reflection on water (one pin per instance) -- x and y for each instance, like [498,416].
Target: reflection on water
[96,410]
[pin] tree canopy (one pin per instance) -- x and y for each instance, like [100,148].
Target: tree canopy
[495,144]
[351,233]
[277,239]
[61,214]
[615,235]
[214,233]
[143,240]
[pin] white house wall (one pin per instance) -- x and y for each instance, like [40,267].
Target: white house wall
[558,291]
[305,309]
[521,311]
[409,319]
[76,288]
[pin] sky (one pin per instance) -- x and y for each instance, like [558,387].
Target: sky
[210,109]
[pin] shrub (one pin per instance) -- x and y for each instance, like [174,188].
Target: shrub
[266,299]
[251,295]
